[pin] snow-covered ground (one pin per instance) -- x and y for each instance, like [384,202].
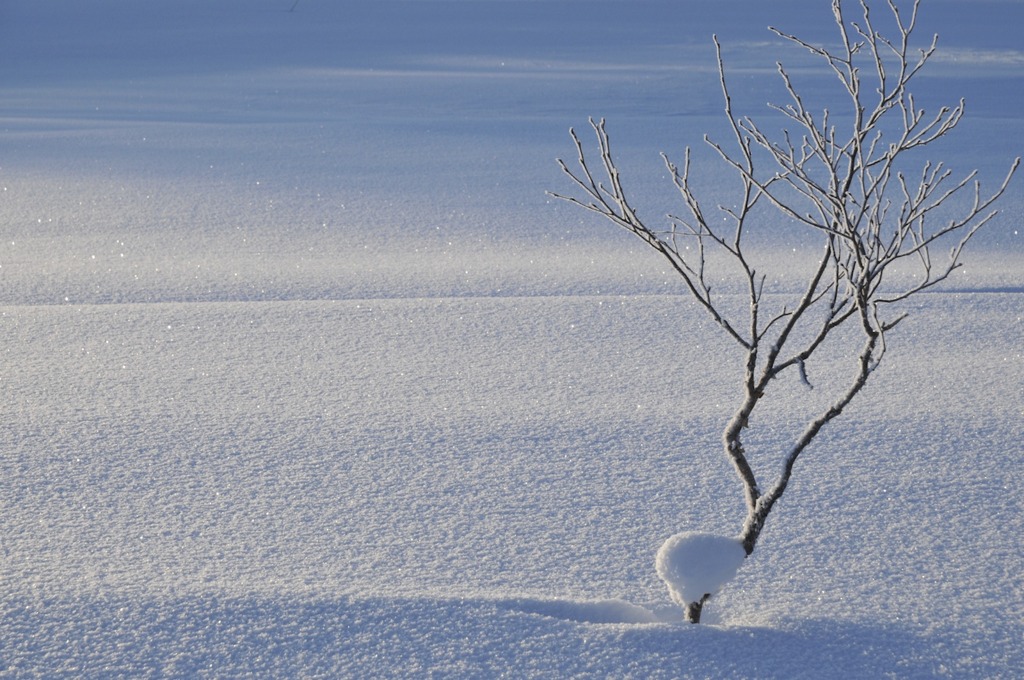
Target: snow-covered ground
[304,375]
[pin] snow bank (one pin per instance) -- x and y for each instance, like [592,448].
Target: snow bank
[291,332]
[694,564]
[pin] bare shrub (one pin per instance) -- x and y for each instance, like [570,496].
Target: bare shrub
[848,184]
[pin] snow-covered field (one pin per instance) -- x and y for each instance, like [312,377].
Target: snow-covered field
[304,375]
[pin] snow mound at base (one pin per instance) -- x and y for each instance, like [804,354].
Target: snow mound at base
[695,564]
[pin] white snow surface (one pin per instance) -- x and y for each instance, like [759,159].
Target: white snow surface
[694,564]
[305,376]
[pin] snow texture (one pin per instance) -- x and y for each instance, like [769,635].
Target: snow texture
[694,564]
[303,374]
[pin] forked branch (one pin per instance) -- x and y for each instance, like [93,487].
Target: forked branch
[847,184]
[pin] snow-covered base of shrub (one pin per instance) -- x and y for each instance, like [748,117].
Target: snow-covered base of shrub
[694,564]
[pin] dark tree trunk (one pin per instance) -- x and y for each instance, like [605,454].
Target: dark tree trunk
[693,609]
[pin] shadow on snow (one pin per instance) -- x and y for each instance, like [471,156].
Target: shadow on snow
[346,636]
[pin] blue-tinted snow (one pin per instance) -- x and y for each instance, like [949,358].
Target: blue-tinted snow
[304,375]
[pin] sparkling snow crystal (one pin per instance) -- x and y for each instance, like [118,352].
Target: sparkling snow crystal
[695,564]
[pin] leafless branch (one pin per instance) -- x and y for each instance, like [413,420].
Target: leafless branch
[848,184]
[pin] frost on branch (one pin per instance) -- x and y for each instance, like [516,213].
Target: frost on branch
[854,179]
[696,565]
